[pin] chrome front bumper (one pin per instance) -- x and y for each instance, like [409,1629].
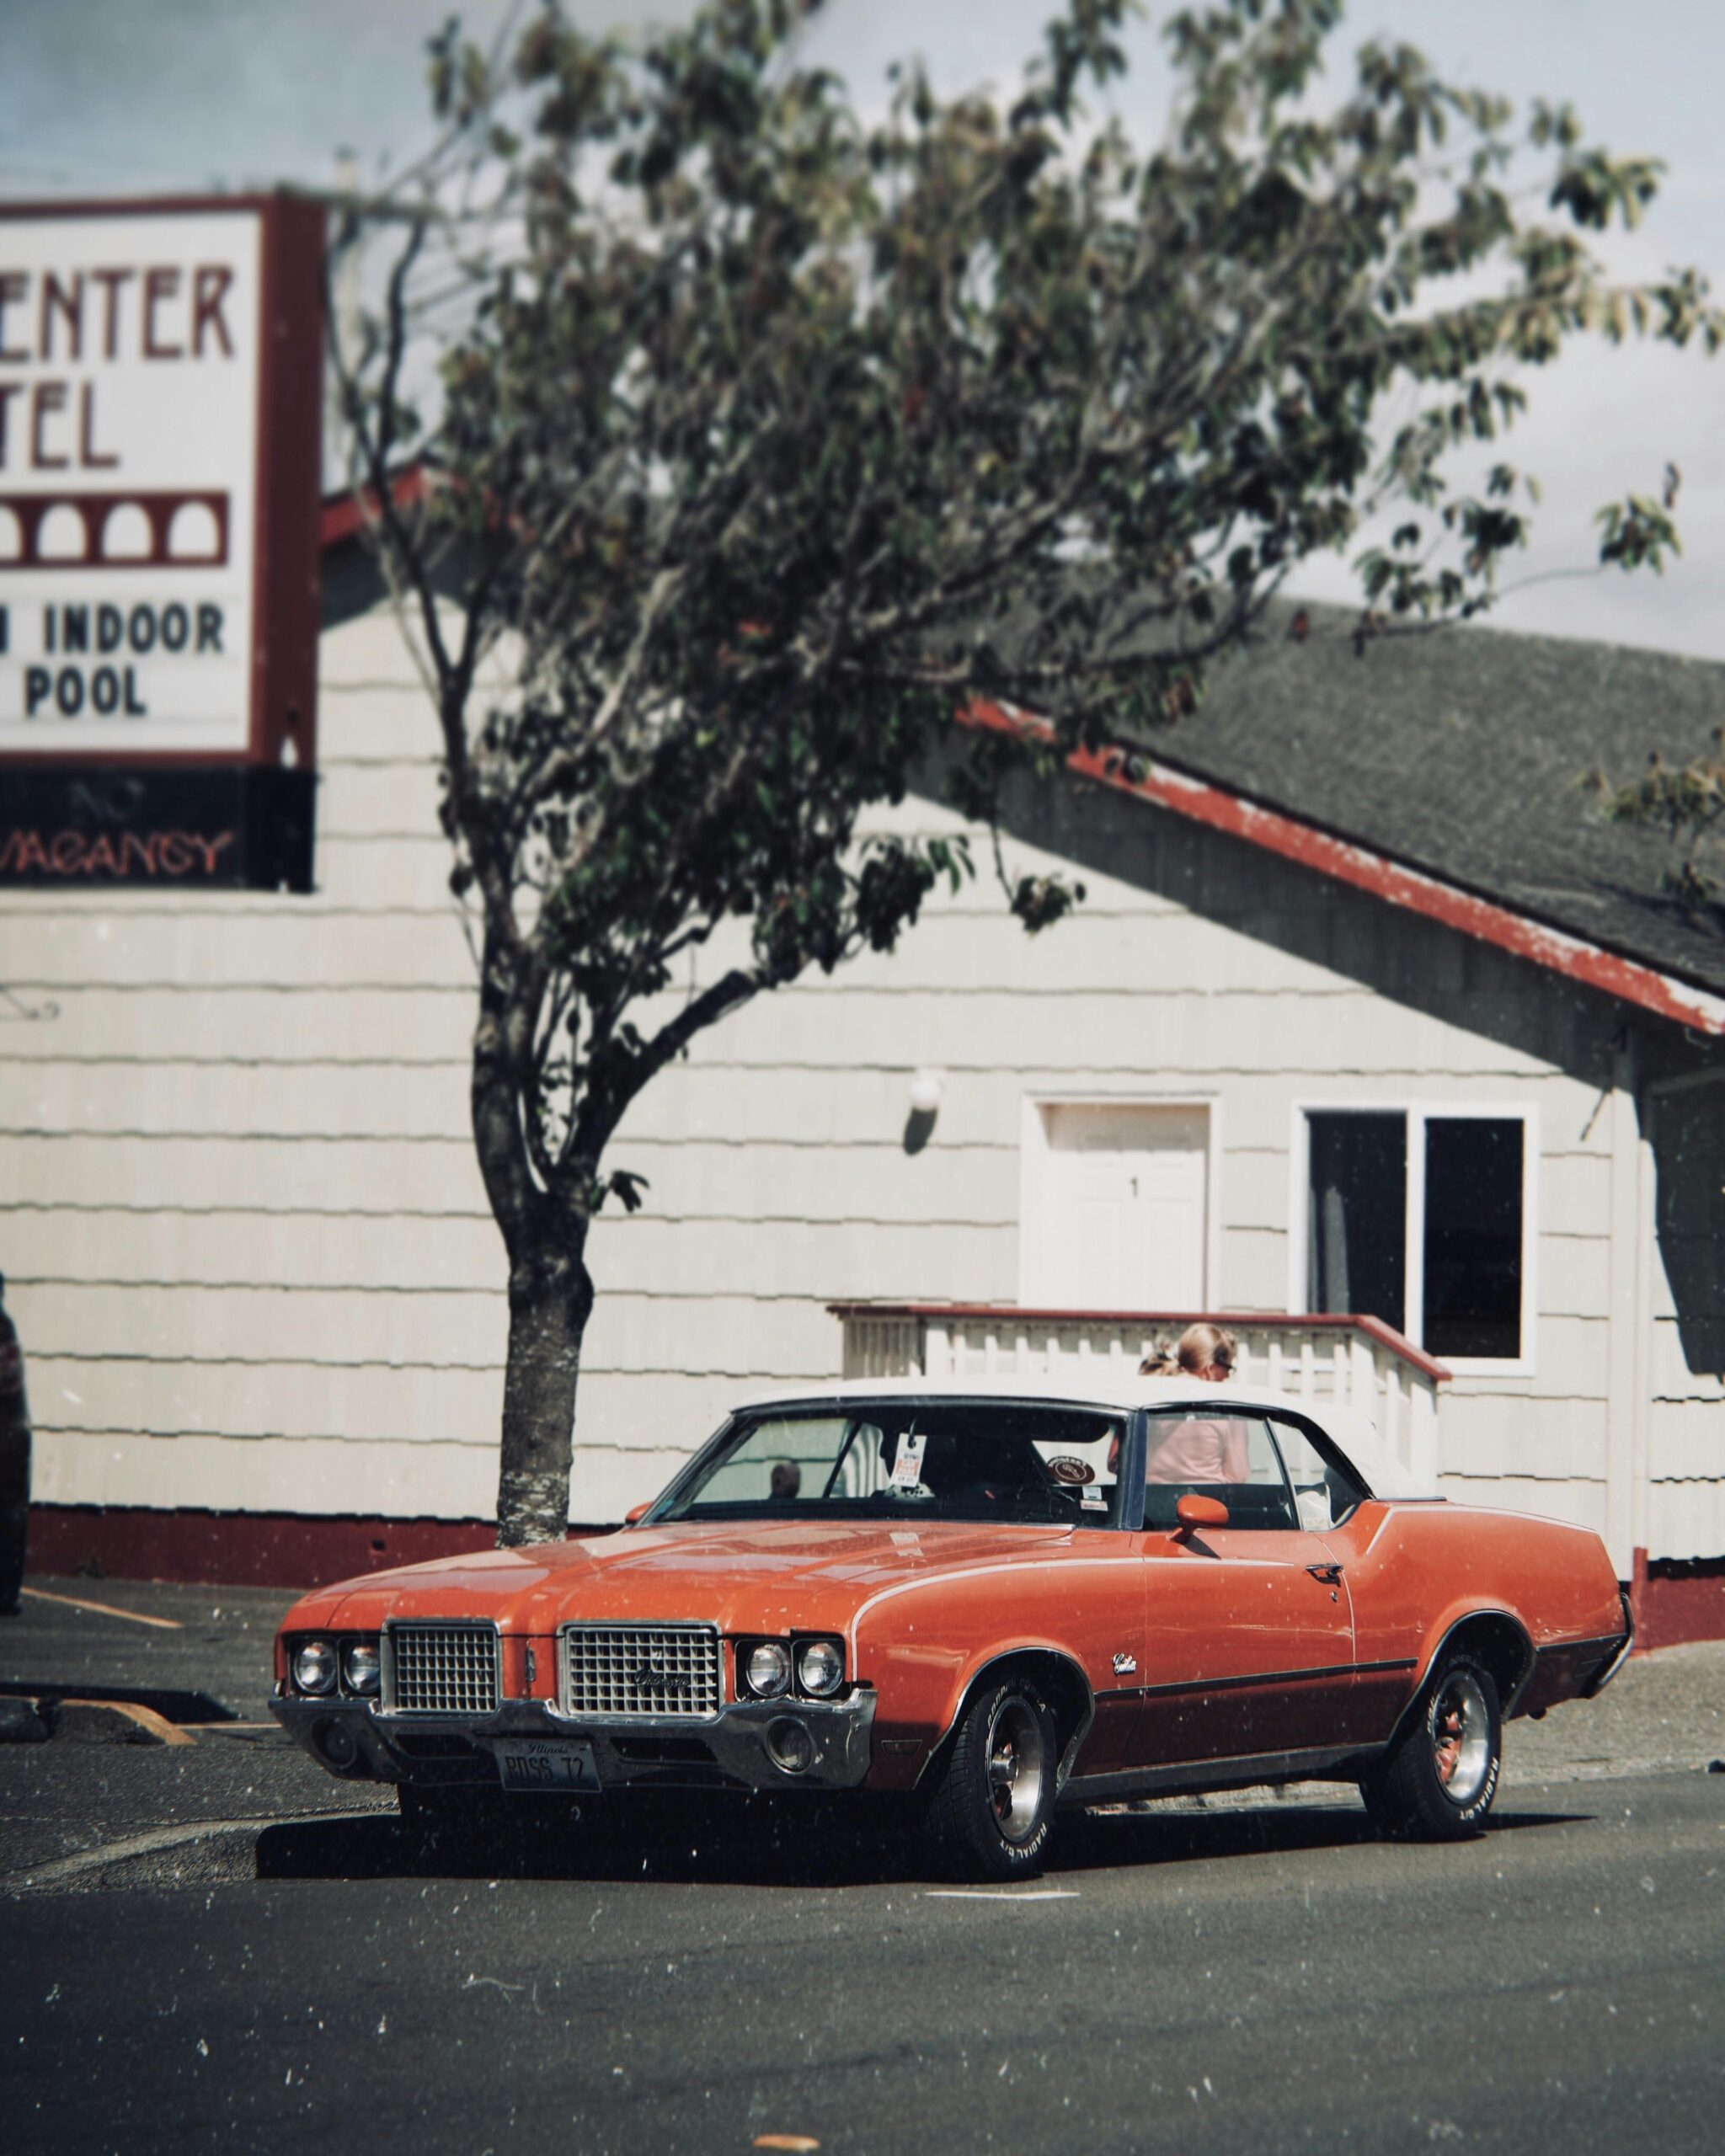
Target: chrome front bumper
[729,1751]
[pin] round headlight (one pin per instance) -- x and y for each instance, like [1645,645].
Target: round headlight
[314,1665]
[361,1667]
[768,1669]
[821,1667]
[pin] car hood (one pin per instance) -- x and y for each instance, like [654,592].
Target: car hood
[742,1576]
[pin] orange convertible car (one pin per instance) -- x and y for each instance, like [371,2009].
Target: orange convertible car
[990,1603]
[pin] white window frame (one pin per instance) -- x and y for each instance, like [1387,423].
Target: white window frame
[1033,1171]
[1417,1113]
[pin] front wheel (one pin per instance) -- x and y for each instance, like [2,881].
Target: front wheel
[1437,1783]
[994,1804]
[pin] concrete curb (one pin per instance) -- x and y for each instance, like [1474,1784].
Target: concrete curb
[25,1720]
[113,1722]
[20,1723]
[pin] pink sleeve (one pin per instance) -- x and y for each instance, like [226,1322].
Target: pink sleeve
[1236,1468]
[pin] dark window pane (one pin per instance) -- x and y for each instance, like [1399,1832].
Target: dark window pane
[1357,1216]
[1473,1236]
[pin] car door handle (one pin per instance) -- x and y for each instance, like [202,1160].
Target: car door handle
[1329,1574]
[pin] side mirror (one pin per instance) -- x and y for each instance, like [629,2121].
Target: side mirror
[1193,1511]
[640,1512]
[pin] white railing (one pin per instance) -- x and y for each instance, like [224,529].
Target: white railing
[1359,1361]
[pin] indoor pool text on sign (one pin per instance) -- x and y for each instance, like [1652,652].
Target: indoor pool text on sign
[130,364]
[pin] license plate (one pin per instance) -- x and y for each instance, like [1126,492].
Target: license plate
[546,1764]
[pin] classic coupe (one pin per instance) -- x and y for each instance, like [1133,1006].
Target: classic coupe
[987,1604]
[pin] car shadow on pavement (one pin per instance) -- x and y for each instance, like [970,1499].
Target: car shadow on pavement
[1095,1841]
[735,1845]
[686,1846]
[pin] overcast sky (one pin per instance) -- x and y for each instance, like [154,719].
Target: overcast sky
[110,96]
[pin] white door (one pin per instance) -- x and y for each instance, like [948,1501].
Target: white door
[1115,1207]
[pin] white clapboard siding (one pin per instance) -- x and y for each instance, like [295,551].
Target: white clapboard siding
[1686,1517]
[228,1099]
[288,1398]
[1673,1378]
[60,1246]
[377,1413]
[428,1176]
[378,801]
[724,1335]
[1686,1442]
[1573,1498]
[327,1477]
[1575,1276]
[411,872]
[1575,1194]
[246,950]
[339,1022]
[250,1255]
[1572,1353]
[314,1475]
[436,1175]
[1483,1440]
[1254,1262]
[1192,1035]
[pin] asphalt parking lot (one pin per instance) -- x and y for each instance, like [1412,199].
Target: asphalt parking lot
[210,1943]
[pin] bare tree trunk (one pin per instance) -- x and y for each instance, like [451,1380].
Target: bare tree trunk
[550,1301]
[550,1289]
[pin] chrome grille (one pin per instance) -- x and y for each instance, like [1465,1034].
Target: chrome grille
[663,1670]
[442,1669]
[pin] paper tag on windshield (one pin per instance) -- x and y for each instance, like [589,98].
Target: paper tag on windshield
[907,1462]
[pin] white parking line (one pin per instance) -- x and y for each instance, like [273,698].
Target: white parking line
[152,1843]
[998,1894]
[103,1608]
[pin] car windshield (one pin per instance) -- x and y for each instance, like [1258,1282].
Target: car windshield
[945,1459]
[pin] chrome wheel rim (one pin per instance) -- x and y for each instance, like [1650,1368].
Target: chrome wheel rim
[1461,1739]
[1017,1765]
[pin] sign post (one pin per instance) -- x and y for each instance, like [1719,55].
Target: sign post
[161,373]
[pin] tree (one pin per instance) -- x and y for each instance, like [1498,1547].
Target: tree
[762,439]
[1687,803]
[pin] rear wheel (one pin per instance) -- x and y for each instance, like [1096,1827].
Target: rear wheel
[991,1811]
[1437,1783]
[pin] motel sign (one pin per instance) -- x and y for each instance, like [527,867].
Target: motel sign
[160,378]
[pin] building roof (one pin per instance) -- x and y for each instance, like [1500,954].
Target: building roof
[1444,772]
[1462,752]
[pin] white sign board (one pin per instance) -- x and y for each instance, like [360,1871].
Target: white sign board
[131,355]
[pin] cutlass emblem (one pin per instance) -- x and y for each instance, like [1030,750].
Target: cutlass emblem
[1126,1665]
[648,1677]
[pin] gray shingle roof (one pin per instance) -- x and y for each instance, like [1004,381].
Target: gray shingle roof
[1460,752]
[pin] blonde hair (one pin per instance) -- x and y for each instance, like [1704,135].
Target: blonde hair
[1159,1362]
[1199,1345]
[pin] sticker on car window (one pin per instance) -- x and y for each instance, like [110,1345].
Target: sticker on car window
[907,1461]
[1066,1467]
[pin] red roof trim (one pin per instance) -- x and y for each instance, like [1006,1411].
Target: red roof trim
[349,512]
[1002,1314]
[1202,803]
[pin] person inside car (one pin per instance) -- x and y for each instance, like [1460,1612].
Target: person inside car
[1202,1448]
